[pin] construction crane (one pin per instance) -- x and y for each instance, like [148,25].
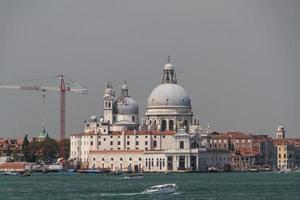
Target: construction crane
[62,88]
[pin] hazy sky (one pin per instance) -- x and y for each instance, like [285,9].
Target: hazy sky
[238,60]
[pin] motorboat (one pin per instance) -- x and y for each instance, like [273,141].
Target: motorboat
[212,170]
[114,173]
[161,189]
[284,170]
[10,173]
[24,174]
[134,176]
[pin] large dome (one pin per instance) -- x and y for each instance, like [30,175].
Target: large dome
[169,95]
[125,106]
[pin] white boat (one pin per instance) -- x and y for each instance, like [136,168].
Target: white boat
[10,173]
[54,168]
[134,176]
[284,170]
[161,189]
[212,170]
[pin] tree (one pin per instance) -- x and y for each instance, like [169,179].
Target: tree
[66,144]
[31,151]
[48,149]
[25,141]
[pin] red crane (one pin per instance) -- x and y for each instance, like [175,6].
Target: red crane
[63,88]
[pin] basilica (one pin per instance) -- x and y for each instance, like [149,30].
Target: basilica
[167,138]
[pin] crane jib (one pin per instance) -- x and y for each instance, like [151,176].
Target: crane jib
[30,88]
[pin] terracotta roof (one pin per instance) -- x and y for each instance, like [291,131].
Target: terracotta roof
[232,135]
[117,151]
[292,141]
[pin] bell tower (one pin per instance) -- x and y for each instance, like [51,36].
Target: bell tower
[280,133]
[108,100]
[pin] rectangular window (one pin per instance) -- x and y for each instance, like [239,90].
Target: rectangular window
[154,143]
[128,143]
[146,142]
[111,142]
[91,143]
[137,143]
[181,145]
[119,143]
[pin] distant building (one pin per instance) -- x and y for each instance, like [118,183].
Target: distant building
[10,149]
[280,132]
[287,150]
[243,155]
[169,138]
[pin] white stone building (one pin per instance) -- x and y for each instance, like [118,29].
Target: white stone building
[169,138]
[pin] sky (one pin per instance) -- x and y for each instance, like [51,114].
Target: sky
[237,59]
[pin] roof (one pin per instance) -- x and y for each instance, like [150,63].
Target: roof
[232,135]
[292,141]
[84,134]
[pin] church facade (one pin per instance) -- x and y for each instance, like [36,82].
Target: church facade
[168,138]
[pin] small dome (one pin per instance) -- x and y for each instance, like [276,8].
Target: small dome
[169,95]
[125,106]
[93,118]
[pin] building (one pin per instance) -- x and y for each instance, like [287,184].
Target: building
[287,150]
[169,138]
[10,149]
[243,155]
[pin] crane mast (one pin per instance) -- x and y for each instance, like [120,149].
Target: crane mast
[62,114]
[62,89]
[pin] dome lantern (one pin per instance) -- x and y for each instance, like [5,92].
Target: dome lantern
[169,75]
[124,90]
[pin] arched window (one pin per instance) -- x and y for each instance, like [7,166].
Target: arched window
[163,125]
[171,125]
[105,104]
[109,104]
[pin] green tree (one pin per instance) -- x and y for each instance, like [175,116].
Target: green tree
[8,150]
[66,144]
[48,149]
[31,151]
[25,141]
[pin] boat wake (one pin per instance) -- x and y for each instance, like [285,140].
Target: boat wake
[121,194]
[130,194]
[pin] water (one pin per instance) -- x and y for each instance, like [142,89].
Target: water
[231,186]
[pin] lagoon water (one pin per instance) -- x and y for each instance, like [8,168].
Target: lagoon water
[231,186]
